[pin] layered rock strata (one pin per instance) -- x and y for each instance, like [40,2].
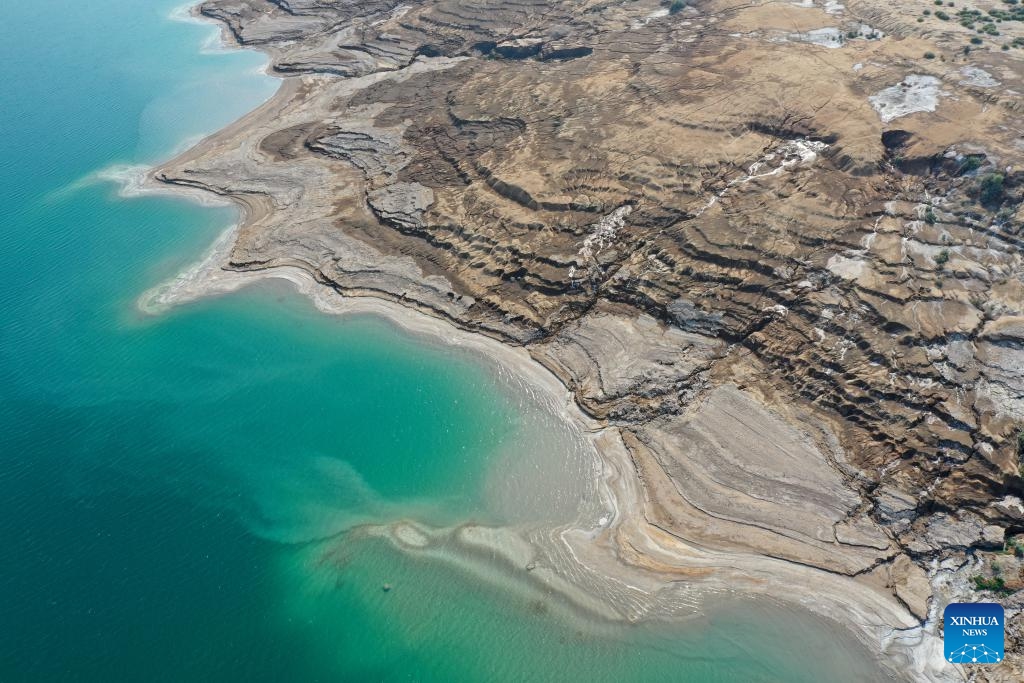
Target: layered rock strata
[776,247]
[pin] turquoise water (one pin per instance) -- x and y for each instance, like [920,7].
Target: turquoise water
[175,490]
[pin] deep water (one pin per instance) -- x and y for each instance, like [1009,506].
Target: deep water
[173,489]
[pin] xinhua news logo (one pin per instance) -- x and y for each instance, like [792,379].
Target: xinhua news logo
[973,632]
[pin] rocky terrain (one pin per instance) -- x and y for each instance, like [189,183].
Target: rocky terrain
[776,246]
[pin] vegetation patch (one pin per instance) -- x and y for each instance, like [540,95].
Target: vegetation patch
[995,584]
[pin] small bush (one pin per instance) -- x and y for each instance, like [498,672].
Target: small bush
[975,40]
[996,585]
[929,55]
[929,217]
[971,163]
[677,6]
[942,15]
[990,190]
[942,258]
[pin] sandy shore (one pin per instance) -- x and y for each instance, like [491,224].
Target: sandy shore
[620,566]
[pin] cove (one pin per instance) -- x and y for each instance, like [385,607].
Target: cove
[181,495]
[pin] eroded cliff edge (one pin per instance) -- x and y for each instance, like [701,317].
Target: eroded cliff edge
[776,246]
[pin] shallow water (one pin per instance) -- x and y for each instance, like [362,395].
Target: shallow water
[175,490]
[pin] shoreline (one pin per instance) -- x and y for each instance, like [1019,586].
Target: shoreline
[657,556]
[838,608]
[206,279]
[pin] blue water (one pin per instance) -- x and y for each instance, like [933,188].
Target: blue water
[174,490]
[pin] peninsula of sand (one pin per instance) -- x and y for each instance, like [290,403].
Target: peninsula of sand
[764,256]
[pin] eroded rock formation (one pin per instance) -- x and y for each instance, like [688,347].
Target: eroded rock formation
[776,245]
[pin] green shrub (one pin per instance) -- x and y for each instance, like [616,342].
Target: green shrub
[677,6]
[996,585]
[929,55]
[975,40]
[942,15]
[942,258]
[971,163]
[990,190]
